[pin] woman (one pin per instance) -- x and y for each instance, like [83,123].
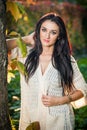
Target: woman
[53,79]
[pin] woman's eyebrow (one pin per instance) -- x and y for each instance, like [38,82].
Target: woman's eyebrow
[47,28]
[43,27]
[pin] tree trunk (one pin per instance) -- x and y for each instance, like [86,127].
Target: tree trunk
[4,111]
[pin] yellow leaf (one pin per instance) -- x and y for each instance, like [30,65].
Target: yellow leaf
[10,75]
[25,18]
[6,31]
[13,33]
[13,8]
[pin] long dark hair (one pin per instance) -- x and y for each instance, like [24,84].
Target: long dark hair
[61,59]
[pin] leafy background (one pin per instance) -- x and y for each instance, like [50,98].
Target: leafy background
[22,17]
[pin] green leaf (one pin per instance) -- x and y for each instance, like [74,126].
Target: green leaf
[21,44]
[21,67]
[21,8]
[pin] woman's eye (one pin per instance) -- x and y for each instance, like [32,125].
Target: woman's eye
[53,33]
[43,29]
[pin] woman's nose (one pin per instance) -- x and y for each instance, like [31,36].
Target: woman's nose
[48,35]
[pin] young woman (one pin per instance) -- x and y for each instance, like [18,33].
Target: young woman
[53,78]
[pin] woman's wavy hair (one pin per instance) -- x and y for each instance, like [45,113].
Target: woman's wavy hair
[61,58]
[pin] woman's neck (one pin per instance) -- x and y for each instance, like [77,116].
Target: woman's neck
[47,51]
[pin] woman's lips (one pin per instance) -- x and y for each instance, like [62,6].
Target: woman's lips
[46,40]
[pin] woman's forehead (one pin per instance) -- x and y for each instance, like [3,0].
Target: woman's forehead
[51,25]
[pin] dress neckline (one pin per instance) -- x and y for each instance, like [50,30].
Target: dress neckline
[46,70]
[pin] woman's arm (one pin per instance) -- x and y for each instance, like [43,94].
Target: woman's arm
[11,43]
[54,100]
[72,97]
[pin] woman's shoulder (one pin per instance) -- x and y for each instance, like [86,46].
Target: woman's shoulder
[73,59]
[74,62]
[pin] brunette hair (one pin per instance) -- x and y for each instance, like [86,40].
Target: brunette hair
[61,58]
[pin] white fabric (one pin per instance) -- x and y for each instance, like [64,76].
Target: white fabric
[51,118]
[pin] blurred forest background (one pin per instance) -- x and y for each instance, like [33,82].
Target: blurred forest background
[22,16]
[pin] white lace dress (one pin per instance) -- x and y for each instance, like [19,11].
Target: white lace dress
[59,117]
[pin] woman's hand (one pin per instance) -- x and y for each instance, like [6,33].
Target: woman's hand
[49,101]
[29,39]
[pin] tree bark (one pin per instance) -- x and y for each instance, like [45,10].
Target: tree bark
[4,110]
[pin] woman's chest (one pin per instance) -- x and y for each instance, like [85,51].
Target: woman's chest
[50,81]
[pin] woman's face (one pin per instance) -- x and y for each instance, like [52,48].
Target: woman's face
[49,33]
